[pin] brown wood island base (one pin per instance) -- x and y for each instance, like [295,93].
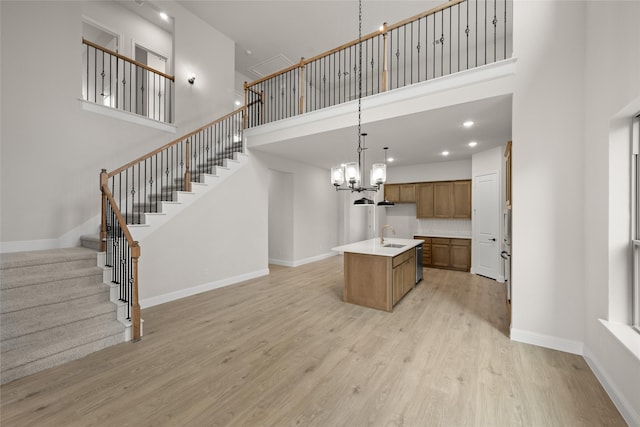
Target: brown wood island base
[379,280]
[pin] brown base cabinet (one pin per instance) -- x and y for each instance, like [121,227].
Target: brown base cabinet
[404,274]
[450,254]
[378,281]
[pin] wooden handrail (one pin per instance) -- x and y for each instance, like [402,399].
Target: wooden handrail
[364,38]
[133,61]
[119,217]
[172,143]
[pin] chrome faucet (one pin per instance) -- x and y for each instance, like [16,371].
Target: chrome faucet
[382,232]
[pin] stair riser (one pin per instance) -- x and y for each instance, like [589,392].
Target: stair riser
[58,359]
[50,293]
[41,318]
[26,343]
[10,275]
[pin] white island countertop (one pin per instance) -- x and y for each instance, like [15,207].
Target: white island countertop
[373,246]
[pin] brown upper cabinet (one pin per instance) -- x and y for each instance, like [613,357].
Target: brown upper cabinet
[461,191]
[400,193]
[424,200]
[445,199]
[442,200]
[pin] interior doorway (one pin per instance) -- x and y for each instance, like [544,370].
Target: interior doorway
[150,85]
[486,242]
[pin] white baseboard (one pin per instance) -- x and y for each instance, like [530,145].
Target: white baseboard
[547,341]
[300,262]
[183,293]
[628,412]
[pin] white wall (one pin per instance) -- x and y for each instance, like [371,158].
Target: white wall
[548,171]
[314,226]
[221,239]
[46,192]
[280,217]
[131,28]
[612,89]
[441,171]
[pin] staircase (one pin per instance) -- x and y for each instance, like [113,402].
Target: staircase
[171,200]
[54,308]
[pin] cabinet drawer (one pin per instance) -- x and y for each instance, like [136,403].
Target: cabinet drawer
[460,242]
[399,259]
[426,239]
[440,241]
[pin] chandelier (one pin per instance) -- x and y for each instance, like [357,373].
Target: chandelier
[348,176]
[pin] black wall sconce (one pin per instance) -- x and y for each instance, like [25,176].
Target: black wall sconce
[192,79]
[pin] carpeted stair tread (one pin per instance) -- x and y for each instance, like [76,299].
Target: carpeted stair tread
[35,276]
[40,318]
[20,298]
[13,367]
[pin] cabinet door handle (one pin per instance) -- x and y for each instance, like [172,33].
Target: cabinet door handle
[493,240]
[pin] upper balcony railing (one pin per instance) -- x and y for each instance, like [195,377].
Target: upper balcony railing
[456,36]
[118,82]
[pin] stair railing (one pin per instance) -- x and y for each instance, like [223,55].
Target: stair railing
[143,184]
[139,187]
[455,36]
[118,82]
[122,253]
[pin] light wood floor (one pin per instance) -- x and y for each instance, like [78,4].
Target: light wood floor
[285,350]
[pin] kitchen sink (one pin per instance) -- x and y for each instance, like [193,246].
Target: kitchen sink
[393,245]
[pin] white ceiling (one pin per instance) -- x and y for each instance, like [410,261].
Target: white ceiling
[280,32]
[412,139]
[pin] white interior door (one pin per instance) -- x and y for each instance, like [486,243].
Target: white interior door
[486,198]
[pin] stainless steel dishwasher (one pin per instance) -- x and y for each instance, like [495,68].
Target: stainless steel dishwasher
[418,263]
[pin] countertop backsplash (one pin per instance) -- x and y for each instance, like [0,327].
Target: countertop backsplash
[403,218]
[444,228]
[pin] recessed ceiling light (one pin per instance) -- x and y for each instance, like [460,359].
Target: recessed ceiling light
[164,16]
[238,103]
[390,159]
[468,123]
[445,153]
[472,144]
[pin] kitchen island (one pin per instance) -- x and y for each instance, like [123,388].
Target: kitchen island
[378,275]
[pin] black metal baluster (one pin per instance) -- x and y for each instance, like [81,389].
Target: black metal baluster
[434,46]
[95,74]
[418,49]
[505,29]
[458,35]
[130,89]
[442,43]
[485,32]
[495,29]
[466,31]
[450,41]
